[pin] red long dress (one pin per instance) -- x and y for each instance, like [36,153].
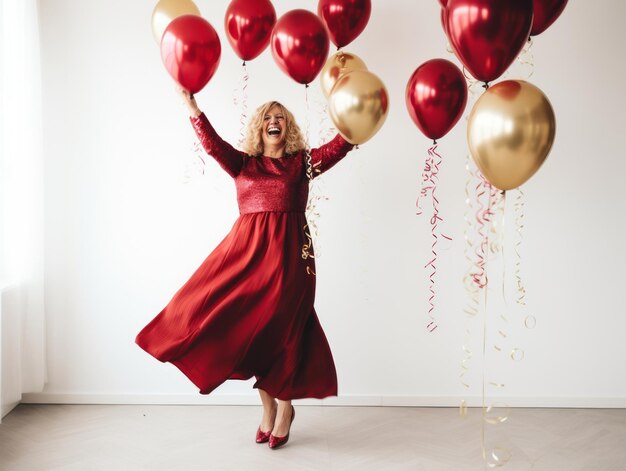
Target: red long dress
[248,309]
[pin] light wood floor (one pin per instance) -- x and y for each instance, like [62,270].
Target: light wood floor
[116,438]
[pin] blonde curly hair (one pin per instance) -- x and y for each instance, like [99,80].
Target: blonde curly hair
[294,141]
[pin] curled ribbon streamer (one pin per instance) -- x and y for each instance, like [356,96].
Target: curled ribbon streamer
[472,84]
[311,211]
[197,161]
[326,129]
[496,244]
[325,132]
[527,58]
[430,177]
[464,363]
[449,48]
[519,227]
[497,236]
[483,216]
[307,249]
[425,180]
[240,97]
[308,244]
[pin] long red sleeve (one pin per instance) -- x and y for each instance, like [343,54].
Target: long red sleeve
[229,158]
[326,156]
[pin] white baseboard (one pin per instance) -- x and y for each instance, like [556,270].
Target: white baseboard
[348,400]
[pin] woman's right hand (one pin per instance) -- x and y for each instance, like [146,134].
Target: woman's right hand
[190,101]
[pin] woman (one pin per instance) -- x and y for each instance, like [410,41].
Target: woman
[248,309]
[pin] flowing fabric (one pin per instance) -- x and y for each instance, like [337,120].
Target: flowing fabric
[248,309]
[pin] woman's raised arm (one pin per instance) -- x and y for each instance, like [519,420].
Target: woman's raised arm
[229,158]
[326,156]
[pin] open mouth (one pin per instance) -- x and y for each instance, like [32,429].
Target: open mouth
[273,131]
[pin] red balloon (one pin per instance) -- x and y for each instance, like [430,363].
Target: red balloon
[545,13]
[344,19]
[300,45]
[436,95]
[248,25]
[190,49]
[487,35]
[444,3]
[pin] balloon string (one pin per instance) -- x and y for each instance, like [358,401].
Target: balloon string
[502,250]
[519,227]
[472,308]
[487,216]
[311,230]
[483,408]
[240,97]
[326,129]
[308,118]
[495,244]
[483,217]
[430,177]
[498,456]
[497,247]
[479,276]
[527,58]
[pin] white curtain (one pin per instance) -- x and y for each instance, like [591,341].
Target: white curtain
[22,322]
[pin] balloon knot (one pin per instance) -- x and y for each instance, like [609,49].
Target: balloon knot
[244,64]
[486,85]
[306,85]
[434,142]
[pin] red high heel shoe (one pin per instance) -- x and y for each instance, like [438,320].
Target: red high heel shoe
[262,437]
[277,442]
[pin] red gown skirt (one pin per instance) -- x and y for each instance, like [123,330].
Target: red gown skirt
[248,311]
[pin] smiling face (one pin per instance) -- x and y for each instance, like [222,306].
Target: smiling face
[273,132]
[274,128]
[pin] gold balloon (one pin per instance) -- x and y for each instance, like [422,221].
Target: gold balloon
[167,10]
[337,65]
[358,105]
[510,132]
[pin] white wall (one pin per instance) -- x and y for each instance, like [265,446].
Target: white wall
[123,231]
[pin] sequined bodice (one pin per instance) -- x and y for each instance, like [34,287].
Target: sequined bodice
[267,183]
[272,184]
